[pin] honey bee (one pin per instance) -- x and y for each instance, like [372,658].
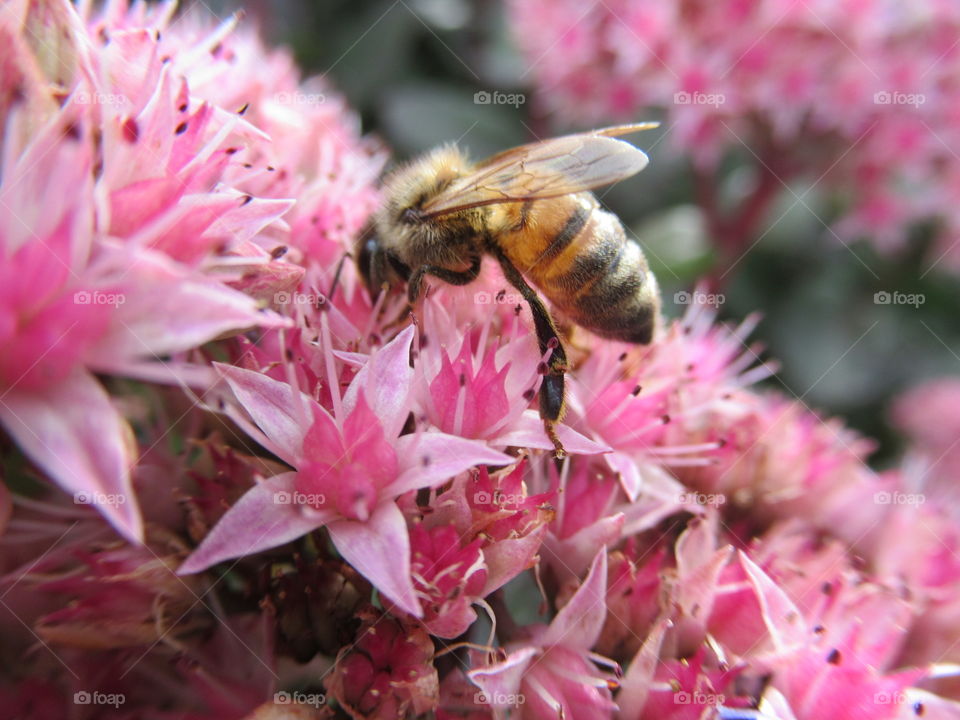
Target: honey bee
[531,209]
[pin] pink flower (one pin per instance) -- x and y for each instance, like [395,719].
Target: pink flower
[387,673]
[349,471]
[72,304]
[553,673]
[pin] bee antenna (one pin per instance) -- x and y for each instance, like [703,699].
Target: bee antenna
[336,276]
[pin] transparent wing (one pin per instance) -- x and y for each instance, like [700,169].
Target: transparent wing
[550,168]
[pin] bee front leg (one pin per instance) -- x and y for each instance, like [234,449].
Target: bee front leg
[552,404]
[454,277]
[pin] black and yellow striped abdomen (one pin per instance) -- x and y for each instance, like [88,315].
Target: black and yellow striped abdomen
[579,256]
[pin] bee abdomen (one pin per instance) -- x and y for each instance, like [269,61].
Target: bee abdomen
[608,287]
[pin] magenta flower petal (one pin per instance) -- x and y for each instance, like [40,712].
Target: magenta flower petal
[271,405]
[380,551]
[72,431]
[579,622]
[386,380]
[429,459]
[264,518]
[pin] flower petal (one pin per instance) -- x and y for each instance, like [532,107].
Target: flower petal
[503,679]
[73,432]
[429,459]
[265,517]
[271,405]
[379,549]
[386,380]
[579,622]
[162,309]
[783,619]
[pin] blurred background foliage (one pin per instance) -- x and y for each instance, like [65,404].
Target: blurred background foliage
[411,69]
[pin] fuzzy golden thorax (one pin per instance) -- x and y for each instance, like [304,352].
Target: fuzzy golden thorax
[447,240]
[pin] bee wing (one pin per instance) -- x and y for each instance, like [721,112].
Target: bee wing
[550,168]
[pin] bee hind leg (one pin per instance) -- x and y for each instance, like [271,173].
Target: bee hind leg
[552,390]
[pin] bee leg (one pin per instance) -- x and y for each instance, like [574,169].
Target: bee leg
[454,277]
[552,388]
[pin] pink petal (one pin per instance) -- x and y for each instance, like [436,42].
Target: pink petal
[164,309]
[528,431]
[272,407]
[379,549]
[73,432]
[503,679]
[579,622]
[571,556]
[638,679]
[263,518]
[505,559]
[430,459]
[386,380]
[784,622]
